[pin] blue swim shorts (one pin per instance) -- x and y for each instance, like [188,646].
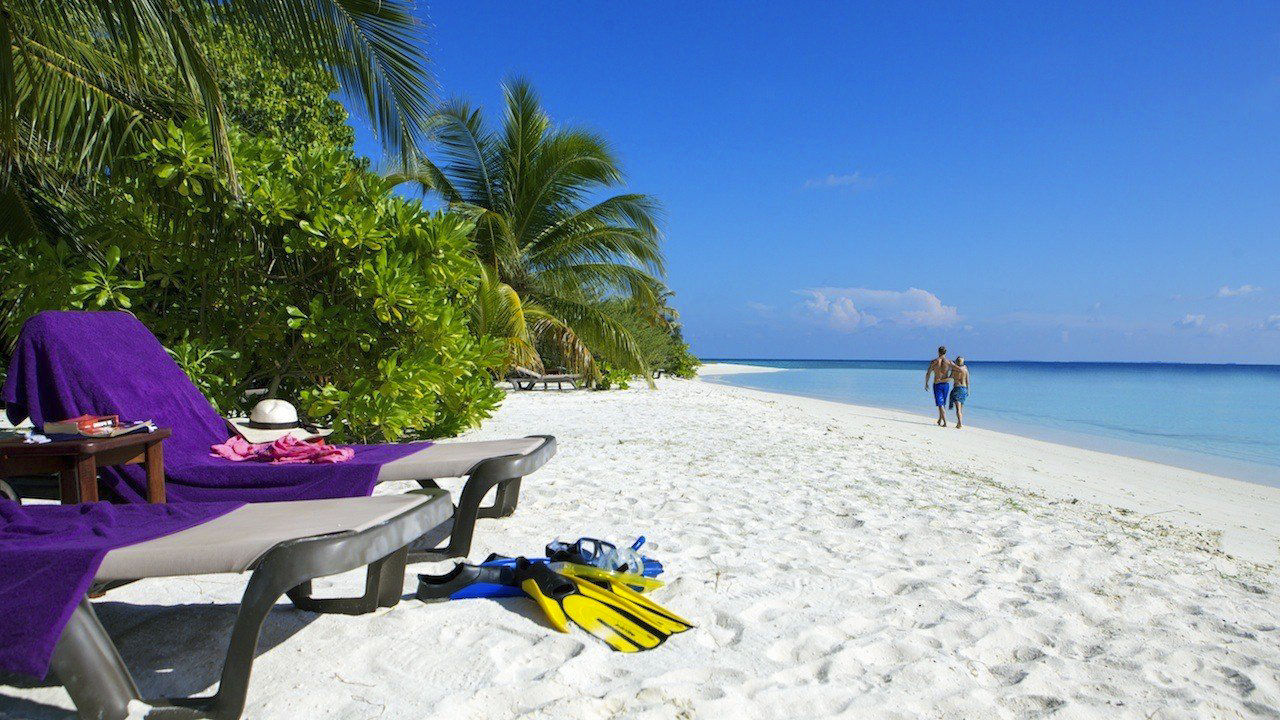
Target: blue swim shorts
[959,395]
[940,391]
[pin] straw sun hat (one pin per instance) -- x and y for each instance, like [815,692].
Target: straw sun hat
[271,420]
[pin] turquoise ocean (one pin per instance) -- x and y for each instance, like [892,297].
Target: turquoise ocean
[1219,419]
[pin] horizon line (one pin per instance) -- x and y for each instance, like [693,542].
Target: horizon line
[1041,362]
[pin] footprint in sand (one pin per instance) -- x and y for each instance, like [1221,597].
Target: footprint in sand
[1033,705]
[725,630]
[764,613]
[524,658]
[815,644]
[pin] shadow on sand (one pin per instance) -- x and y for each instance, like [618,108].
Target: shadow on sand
[178,650]
[172,650]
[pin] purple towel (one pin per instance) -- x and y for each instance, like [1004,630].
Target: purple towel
[108,363]
[49,555]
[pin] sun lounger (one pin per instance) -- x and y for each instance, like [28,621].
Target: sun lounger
[69,363]
[284,545]
[523,378]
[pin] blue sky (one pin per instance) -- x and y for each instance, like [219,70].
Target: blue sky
[854,180]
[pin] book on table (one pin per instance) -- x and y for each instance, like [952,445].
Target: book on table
[97,426]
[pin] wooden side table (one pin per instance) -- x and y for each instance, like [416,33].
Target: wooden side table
[76,462]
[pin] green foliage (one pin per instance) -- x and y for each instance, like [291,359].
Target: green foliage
[675,358]
[559,250]
[658,339]
[612,376]
[681,362]
[261,92]
[210,187]
[84,83]
[305,275]
[316,282]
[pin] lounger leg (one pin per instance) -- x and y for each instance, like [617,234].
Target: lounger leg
[88,665]
[486,475]
[505,473]
[504,500]
[383,586]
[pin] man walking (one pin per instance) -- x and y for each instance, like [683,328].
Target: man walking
[940,371]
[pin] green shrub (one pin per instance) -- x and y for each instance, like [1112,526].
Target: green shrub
[612,376]
[680,360]
[316,282]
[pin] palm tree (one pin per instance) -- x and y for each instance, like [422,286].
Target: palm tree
[553,252]
[79,88]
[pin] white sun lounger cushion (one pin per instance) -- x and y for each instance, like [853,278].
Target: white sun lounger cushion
[233,542]
[454,459]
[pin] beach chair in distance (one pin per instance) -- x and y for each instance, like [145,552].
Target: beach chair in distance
[522,378]
[284,545]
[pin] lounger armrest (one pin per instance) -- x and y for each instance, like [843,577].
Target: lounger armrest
[505,473]
[509,466]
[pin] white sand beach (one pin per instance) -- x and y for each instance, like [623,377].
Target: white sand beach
[838,561]
[725,368]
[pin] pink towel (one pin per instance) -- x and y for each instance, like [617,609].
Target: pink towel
[287,449]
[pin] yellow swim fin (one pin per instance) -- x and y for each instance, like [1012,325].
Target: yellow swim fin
[618,589]
[618,623]
[646,610]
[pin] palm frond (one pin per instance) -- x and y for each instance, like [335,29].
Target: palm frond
[499,312]
[530,186]
[373,47]
[80,78]
[594,325]
[603,279]
[473,163]
[74,106]
[427,176]
[552,331]
[621,225]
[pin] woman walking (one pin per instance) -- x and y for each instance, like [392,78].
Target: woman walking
[959,389]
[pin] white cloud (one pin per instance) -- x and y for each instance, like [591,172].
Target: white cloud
[1272,323]
[852,181]
[850,309]
[1189,322]
[1226,291]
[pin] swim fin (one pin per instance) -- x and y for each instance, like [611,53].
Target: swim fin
[616,588]
[619,622]
[469,581]
[493,579]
